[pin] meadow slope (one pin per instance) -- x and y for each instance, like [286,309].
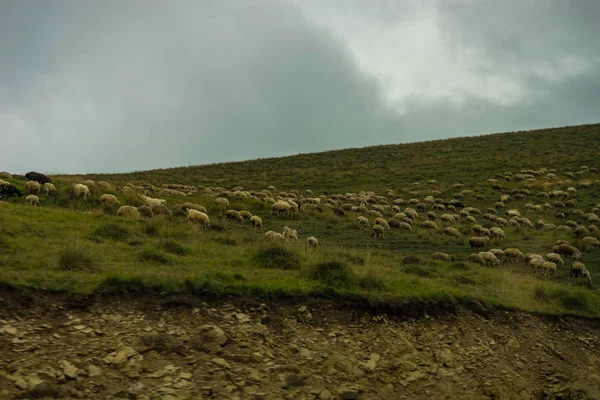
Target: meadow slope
[76,245]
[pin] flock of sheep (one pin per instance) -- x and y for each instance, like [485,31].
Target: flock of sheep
[426,210]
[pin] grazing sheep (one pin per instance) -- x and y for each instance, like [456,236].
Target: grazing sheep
[109,200]
[513,254]
[478,241]
[128,212]
[275,236]
[566,250]
[312,242]
[549,268]
[256,222]
[32,200]
[364,221]
[476,258]
[32,187]
[442,256]
[450,231]
[377,232]
[193,206]
[406,226]
[245,214]
[221,203]
[151,202]
[198,217]
[36,176]
[429,225]
[80,189]
[5,175]
[145,211]
[577,269]
[49,188]
[447,218]
[289,233]
[537,264]
[161,209]
[589,241]
[555,258]
[104,185]
[499,253]
[7,190]
[281,206]
[497,233]
[382,222]
[489,258]
[234,215]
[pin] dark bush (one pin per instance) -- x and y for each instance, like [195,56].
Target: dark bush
[75,259]
[334,274]
[153,255]
[173,247]
[113,232]
[277,257]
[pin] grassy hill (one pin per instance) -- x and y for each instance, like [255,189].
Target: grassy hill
[392,166]
[76,245]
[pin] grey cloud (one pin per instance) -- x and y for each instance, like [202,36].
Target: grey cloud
[118,86]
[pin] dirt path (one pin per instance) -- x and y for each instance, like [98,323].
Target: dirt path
[184,348]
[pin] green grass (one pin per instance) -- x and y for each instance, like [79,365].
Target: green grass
[73,245]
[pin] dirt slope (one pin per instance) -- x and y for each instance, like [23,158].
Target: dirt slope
[184,348]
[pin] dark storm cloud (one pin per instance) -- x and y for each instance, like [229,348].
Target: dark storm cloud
[128,85]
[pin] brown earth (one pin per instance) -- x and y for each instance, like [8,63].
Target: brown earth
[185,347]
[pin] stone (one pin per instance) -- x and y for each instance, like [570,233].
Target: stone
[69,369]
[213,333]
[94,371]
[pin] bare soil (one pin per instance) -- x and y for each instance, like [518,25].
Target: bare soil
[186,347]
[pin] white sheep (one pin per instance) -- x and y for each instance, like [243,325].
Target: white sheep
[377,232]
[128,212]
[450,231]
[312,242]
[282,206]
[49,188]
[109,200]
[256,222]
[442,256]
[81,189]
[151,202]
[382,222]
[221,203]
[198,217]
[32,187]
[32,200]
[289,233]
[497,233]
[363,221]
[489,258]
[275,236]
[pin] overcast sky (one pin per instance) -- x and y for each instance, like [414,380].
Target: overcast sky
[116,86]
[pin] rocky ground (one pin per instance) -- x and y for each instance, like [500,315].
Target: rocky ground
[185,348]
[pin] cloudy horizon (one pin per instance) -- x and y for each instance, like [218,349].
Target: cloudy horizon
[119,86]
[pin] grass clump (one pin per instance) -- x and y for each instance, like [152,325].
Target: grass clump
[225,241]
[411,260]
[174,247]
[153,255]
[277,257]
[419,271]
[334,274]
[113,231]
[75,258]
[571,300]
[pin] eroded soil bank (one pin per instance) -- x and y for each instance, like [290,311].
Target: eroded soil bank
[186,347]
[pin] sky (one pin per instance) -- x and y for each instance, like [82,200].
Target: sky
[118,86]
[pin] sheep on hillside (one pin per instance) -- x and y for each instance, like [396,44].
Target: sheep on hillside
[234,215]
[429,225]
[289,233]
[497,233]
[161,209]
[275,236]
[36,176]
[256,222]
[442,256]
[198,217]
[589,241]
[382,222]
[80,189]
[489,258]
[128,212]
[145,211]
[221,203]
[32,187]
[109,200]
[282,207]
[49,188]
[476,258]
[312,242]
[549,268]
[555,258]
[377,232]
[478,241]
[513,254]
[245,214]
[450,231]
[32,200]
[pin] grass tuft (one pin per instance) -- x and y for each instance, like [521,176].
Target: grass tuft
[334,274]
[277,257]
[75,258]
